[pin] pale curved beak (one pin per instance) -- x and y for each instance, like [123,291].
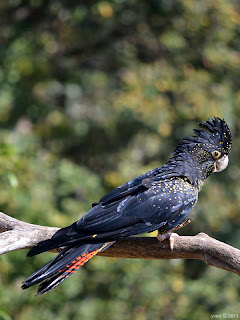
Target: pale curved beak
[221,164]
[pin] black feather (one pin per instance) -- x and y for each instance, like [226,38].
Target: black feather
[62,266]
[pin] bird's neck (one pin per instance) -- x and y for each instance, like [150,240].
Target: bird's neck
[192,169]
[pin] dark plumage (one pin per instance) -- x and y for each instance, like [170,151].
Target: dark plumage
[159,199]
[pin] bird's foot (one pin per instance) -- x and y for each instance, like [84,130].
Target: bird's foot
[170,236]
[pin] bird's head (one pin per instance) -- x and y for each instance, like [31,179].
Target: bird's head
[207,152]
[215,140]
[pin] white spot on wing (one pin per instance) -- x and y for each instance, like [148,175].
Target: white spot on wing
[149,224]
[121,204]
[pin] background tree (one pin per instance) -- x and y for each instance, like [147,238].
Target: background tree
[92,94]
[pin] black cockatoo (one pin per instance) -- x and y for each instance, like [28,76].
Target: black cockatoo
[160,199]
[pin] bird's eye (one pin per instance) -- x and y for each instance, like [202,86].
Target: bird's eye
[216,154]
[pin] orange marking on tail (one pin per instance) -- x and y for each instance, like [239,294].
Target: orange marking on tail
[80,261]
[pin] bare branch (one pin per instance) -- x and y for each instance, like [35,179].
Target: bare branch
[201,246]
[17,235]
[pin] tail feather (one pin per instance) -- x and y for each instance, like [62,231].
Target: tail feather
[63,265]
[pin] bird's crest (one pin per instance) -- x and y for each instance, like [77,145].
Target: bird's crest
[217,133]
[213,135]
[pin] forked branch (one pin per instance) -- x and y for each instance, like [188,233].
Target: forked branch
[16,235]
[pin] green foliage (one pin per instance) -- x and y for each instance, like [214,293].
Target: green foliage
[92,94]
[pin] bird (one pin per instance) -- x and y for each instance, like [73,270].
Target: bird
[160,199]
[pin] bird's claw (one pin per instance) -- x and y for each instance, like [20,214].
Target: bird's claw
[170,236]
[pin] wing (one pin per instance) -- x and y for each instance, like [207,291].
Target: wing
[140,183]
[163,204]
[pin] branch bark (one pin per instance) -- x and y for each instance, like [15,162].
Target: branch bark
[16,235]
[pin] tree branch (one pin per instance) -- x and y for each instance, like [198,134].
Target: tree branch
[16,235]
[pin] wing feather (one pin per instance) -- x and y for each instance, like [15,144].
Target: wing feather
[165,202]
[164,205]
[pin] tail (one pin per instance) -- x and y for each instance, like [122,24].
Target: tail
[63,265]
